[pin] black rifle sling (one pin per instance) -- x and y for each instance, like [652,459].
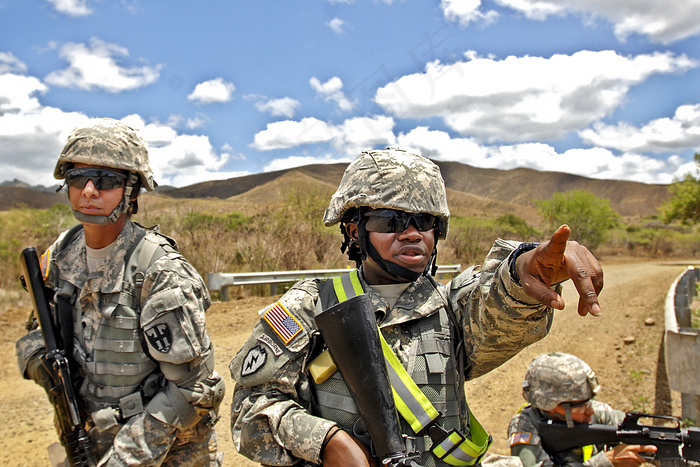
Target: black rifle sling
[64,302]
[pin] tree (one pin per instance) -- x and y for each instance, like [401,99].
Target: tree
[684,203]
[590,217]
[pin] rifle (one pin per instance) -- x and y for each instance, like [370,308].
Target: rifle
[351,334]
[674,445]
[71,430]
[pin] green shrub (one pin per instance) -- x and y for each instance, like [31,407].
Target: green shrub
[590,218]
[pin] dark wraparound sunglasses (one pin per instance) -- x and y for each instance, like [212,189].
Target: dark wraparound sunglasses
[103,179]
[392,221]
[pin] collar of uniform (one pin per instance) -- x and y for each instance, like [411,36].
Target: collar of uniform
[419,300]
[108,278]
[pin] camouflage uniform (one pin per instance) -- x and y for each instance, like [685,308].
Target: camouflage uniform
[146,384]
[523,429]
[277,416]
[552,379]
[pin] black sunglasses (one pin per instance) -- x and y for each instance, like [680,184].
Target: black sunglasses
[393,221]
[103,179]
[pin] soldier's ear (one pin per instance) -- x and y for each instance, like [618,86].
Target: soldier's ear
[351,230]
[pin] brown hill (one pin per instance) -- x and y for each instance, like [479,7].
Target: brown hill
[328,173]
[472,190]
[294,183]
[514,189]
[17,197]
[524,186]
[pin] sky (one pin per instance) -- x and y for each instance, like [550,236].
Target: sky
[221,89]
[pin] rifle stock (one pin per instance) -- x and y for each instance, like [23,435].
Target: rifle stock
[72,432]
[351,334]
[672,442]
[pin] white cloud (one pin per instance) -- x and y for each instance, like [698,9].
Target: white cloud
[72,7]
[299,161]
[18,93]
[97,67]
[283,107]
[357,134]
[593,163]
[350,137]
[465,12]
[332,91]
[195,122]
[212,91]
[523,98]
[663,135]
[178,159]
[337,25]
[35,138]
[35,134]
[31,135]
[288,133]
[662,21]
[11,64]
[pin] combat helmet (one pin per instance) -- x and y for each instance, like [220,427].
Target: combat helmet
[388,179]
[107,142]
[557,378]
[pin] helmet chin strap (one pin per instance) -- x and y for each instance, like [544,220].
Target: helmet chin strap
[567,411]
[123,206]
[392,268]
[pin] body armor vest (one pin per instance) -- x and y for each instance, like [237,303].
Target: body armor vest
[431,364]
[119,363]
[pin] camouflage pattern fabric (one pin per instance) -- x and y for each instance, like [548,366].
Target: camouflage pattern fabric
[496,460]
[156,435]
[391,179]
[272,421]
[556,377]
[108,143]
[523,432]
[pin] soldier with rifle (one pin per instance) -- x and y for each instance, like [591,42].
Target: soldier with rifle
[121,348]
[560,387]
[369,368]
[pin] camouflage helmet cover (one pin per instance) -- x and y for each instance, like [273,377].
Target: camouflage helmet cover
[108,143]
[555,377]
[390,179]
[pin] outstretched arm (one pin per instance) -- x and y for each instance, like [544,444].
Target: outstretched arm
[556,261]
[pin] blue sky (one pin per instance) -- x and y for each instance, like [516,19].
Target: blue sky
[222,89]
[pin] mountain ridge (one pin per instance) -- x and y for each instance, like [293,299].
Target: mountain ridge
[514,189]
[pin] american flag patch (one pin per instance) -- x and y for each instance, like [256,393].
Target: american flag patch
[520,438]
[282,322]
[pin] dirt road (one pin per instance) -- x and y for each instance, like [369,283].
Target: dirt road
[634,292]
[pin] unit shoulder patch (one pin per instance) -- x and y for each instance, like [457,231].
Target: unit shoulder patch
[270,342]
[283,323]
[160,337]
[254,360]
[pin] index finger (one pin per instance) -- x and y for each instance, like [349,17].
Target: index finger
[557,244]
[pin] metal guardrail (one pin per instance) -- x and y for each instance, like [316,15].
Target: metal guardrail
[682,343]
[221,281]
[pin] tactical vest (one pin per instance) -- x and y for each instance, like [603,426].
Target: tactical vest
[431,366]
[116,377]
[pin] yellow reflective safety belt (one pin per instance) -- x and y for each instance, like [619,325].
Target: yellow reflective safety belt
[451,447]
[587,452]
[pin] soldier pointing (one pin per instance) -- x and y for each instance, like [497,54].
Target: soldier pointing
[291,407]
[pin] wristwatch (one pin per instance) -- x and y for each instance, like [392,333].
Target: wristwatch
[522,248]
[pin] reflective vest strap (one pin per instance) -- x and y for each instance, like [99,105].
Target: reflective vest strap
[587,452]
[457,450]
[347,286]
[411,403]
